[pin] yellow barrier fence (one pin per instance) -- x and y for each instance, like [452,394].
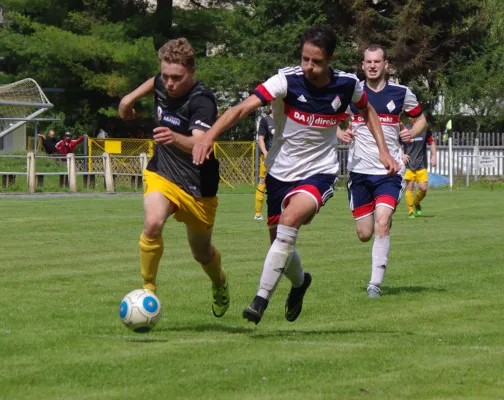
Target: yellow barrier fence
[236,161]
[236,158]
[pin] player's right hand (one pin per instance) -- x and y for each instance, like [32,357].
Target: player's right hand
[405,133]
[405,159]
[202,150]
[391,165]
[347,136]
[126,111]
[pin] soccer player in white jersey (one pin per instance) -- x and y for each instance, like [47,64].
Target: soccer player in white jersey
[373,194]
[308,101]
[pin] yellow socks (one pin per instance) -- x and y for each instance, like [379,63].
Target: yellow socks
[409,200]
[151,251]
[259,198]
[419,196]
[214,269]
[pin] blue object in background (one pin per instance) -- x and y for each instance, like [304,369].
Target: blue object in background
[437,180]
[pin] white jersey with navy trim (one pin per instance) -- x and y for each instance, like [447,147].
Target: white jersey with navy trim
[389,103]
[306,117]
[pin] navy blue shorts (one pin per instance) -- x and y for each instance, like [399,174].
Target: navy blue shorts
[366,192]
[319,187]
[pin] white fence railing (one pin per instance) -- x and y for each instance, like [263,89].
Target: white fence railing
[459,161]
[71,167]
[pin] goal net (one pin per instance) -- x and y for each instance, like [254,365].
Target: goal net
[20,102]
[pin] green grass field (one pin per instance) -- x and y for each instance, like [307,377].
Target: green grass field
[436,333]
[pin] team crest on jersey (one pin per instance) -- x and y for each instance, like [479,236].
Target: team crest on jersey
[159,113]
[336,103]
[391,105]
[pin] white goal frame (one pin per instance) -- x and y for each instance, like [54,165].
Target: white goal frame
[42,106]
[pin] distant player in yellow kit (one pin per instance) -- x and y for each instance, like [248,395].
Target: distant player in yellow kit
[415,159]
[264,140]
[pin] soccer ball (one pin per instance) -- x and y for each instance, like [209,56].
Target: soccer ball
[140,310]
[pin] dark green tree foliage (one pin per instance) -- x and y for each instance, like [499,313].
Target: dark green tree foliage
[95,50]
[420,36]
[98,50]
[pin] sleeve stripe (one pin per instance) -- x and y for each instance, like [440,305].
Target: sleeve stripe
[362,102]
[261,92]
[415,112]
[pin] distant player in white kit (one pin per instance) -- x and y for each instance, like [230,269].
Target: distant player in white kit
[309,101]
[372,192]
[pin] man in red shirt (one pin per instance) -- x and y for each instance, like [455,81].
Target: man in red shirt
[67,145]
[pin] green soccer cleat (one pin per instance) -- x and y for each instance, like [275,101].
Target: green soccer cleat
[418,210]
[411,215]
[220,299]
[294,302]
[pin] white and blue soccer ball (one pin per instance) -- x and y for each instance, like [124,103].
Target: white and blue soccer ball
[140,310]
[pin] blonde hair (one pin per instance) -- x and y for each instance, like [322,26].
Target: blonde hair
[178,51]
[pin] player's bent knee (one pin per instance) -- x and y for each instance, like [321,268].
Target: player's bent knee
[382,227]
[364,236]
[153,226]
[422,186]
[202,256]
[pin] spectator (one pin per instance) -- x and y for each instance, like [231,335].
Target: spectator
[67,145]
[49,142]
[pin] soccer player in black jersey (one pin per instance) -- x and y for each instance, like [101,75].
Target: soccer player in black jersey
[185,109]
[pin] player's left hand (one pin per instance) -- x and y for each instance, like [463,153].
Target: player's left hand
[164,135]
[433,161]
[405,133]
[391,165]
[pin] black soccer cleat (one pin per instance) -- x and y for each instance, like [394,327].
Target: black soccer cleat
[254,312]
[294,302]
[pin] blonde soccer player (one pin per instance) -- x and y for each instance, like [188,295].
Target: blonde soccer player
[173,185]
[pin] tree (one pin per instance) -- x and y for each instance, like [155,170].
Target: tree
[420,36]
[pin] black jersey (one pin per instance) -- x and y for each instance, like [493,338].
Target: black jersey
[196,110]
[266,129]
[417,151]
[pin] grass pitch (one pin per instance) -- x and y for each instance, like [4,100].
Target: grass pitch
[436,333]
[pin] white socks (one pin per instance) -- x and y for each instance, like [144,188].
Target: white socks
[278,258]
[381,247]
[294,272]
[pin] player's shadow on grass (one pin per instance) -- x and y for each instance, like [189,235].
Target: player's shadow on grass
[303,334]
[146,339]
[207,328]
[391,291]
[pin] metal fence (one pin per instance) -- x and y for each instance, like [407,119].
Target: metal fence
[239,160]
[470,138]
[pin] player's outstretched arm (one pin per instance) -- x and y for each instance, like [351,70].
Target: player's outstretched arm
[419,126]
[126,110]
[204,146]
[373,123]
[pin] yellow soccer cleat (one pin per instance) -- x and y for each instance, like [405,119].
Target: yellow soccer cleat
[220,299]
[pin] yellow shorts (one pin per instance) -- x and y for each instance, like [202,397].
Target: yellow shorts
[262,168]
[418,176]
[197,214]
